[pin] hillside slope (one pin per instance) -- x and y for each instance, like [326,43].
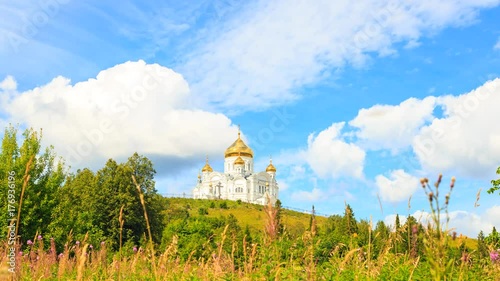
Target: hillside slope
[247,214]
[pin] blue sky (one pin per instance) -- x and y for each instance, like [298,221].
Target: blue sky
[355,102]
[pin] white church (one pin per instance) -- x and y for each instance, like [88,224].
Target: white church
[238,181]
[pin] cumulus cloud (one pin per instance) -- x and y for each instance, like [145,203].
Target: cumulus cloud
[329,156]
[314,195]
[130,107]
[466,139]
[398,187]
[463,222]
[8,84]
[393,126]
[281,45]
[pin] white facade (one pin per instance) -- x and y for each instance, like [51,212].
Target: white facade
[238,181]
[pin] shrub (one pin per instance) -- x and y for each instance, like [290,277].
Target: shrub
[202,211]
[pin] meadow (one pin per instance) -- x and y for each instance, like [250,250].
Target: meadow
[113,225]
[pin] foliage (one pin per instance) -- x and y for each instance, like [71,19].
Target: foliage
[90,203]
[493,239]
[495,183]
[46,175]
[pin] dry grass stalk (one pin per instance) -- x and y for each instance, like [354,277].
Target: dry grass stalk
[271,227]
[121,221]
[81,259]
[26,179]
[143,203]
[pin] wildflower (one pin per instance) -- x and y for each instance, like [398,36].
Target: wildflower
[414,229]
[465,257]
[29,242]
[135,249]
[102,243]
[77,243]
[91,247]
[422,181]
[20,253]
[439,180]
[40,237]
[431,195]
[447,199]
[61,255]
[494,256]
[452,184]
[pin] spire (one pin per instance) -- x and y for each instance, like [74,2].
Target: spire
[207,167]
[270,168]
[238,148]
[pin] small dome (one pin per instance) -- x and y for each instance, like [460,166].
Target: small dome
[270,167]
[238,148]
[207,167]
[239,161]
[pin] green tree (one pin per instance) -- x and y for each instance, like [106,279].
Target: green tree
[77,212]
[91,203]
[493,239]
[380,238]
[409,236]
[349,223]
[116,189]
[482,248]
[46,175]
[279,211]
[397,236]
[495,183]
[332,239]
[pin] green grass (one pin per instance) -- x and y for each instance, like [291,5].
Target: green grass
[246,214]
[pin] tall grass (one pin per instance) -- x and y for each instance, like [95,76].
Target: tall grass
[273,257]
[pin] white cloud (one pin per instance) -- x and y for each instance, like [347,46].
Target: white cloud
[8,84]
[130,107]
[465,140]
[497,45]
[315,194]
[329,156]
[398,187]
[392,127]
[283,185]
[463,222]
[279,46]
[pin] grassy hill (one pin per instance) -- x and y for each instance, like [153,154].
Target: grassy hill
[246,213]
[254,216]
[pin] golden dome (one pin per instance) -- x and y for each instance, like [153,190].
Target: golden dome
[270,167]
[207,167]
[239,161]
[238,148]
